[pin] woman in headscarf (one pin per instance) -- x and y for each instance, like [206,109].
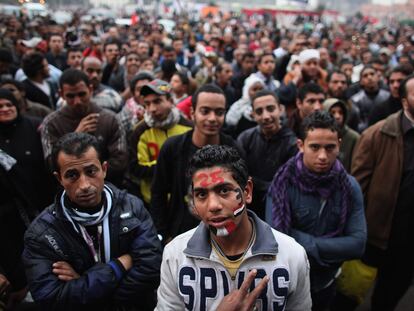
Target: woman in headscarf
[239,117]
[26,187]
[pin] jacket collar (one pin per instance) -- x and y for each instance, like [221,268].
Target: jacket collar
[265,244]
[392,125]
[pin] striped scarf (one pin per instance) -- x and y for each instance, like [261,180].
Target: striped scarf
[80,220]
[294,174]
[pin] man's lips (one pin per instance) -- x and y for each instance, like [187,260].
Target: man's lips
[218,221]
[86,196]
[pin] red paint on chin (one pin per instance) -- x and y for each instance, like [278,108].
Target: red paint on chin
[230,226]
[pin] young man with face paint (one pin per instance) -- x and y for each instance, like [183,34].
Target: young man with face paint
[314,200]
[231,249]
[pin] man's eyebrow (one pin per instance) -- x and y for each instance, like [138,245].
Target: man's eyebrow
[216,186]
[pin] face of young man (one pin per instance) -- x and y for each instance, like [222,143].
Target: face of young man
[209,113]
[111,53]
[93,69]
[266,112]
[82,177]
[311,67]
[320,149]
[158,106]
[219,200]
[338,114]
[77,97]
[74,59]
[225,74]
[267,65]
[337,85]
[56,44]
[369,80]
[311,103]
[395,81]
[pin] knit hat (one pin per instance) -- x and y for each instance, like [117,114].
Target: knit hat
[308,54]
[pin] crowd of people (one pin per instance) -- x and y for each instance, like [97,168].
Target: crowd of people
[231,164]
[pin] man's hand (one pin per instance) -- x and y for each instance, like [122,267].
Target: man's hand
[4,283]
[241,299]
[126,261]
[88,124]
[64,271]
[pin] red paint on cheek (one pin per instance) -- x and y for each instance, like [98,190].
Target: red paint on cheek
[230,227]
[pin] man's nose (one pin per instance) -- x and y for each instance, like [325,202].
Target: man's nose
[84,183]
[213,203]
[322,155]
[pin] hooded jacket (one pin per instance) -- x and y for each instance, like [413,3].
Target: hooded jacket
[349,137]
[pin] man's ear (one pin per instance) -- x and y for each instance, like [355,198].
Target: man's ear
[57,176]
[300,143]
[248,191]
[104,167]
[192,113]
[298,103]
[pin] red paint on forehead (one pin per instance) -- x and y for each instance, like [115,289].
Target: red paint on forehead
[210,179]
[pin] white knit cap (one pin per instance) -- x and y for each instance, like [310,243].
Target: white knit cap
[308,54]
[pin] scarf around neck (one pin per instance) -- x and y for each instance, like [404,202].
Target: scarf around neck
[294,173]
[80,220]
[171,120]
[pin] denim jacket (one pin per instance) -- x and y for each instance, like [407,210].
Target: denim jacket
[311,220]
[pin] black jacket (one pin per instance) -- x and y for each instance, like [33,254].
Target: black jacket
[264,157]
[51,238]
[36,95]
[170,185]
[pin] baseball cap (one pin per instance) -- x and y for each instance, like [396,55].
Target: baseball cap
[156,86]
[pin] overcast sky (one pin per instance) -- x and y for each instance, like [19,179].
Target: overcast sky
[388,2]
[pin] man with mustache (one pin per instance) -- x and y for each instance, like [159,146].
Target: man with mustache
[81,114]
[232,251]
[96,247]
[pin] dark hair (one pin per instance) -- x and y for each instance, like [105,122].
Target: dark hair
[6,56]
[265,54]
[406,70]
[132,53]
[338,72]
[366,67]
[319,119]
[111,41]
[183,77]
[262,93]
[206,88]
[142,75]
[19,85]
[74,144]
[310,87]
[403,92]
[32,63]
[168,48]
[247,55]
[223,156]
[345,61]
[55,34]
[74,49]
[73,76]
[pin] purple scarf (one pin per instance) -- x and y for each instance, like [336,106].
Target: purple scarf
[294,173]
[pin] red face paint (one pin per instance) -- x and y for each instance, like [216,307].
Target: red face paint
[210,179]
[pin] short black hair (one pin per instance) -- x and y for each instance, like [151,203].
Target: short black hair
[142,75]
[32,63]
[403,91]
[338,72]
[319,119]
[307,88]
[247,55]
[73,76]
[74,49]
[6,56]
[265,54]
[366,67]
[406,70]
[206,88]
[112,41]
[74,144]
[223,156]
[183,77]
[262,93]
